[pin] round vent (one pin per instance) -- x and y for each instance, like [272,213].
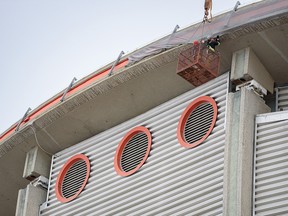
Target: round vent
[72,178]
[132,151]
[197,121]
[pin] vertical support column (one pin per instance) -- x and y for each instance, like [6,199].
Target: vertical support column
[37,164]
[36,170]
[242,107]
[29,200]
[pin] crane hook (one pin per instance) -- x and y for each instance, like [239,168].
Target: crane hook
[207,11]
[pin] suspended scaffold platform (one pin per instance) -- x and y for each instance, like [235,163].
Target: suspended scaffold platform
[198,64]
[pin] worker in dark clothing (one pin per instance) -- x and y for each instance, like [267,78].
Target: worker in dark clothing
[213,42]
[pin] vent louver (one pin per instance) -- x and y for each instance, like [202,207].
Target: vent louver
[270,195]
[132,151]
[197,122]
[282,98]
[72,178]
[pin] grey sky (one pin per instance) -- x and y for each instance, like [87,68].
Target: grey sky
[44,44]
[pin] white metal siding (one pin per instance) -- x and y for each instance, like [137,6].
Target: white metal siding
[173,181]
[271,164]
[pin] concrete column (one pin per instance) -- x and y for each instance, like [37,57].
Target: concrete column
[29,200]
[36,170]
[247,66]
[37,164]
[238,174]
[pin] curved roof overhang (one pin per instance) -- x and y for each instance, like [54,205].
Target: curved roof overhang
[255,18]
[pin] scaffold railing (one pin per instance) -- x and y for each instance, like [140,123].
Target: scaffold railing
[198,64]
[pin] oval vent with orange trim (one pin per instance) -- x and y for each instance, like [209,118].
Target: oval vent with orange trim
[72,178]
[132,151]
[197,121]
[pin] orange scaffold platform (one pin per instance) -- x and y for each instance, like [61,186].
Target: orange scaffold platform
[198,64]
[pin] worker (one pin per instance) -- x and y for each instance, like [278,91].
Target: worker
[213,42]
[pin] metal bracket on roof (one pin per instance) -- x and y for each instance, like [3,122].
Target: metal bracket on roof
[115,63]
[67,89]
[172,34]
[23,118]
[236,6]
[234,10]
[175,29]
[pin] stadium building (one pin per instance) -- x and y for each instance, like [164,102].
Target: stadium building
[173,128]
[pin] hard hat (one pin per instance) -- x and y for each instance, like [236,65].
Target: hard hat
[196,42]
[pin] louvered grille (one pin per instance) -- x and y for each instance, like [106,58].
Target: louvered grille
[74,179]
[198,123]
[134,152]
[271,164]
[282,98]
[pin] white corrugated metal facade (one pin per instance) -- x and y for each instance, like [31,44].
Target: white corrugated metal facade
[271,164]
[173,181]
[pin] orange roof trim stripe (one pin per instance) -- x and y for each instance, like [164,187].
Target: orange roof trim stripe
[72,91]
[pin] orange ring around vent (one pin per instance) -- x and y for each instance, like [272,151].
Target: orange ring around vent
[182,122]
[121,146]
[63,172]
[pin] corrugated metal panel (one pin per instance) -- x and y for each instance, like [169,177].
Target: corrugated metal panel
[282,98]
[271,164]
[173,181]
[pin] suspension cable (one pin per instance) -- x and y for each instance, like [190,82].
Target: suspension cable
[196,30]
